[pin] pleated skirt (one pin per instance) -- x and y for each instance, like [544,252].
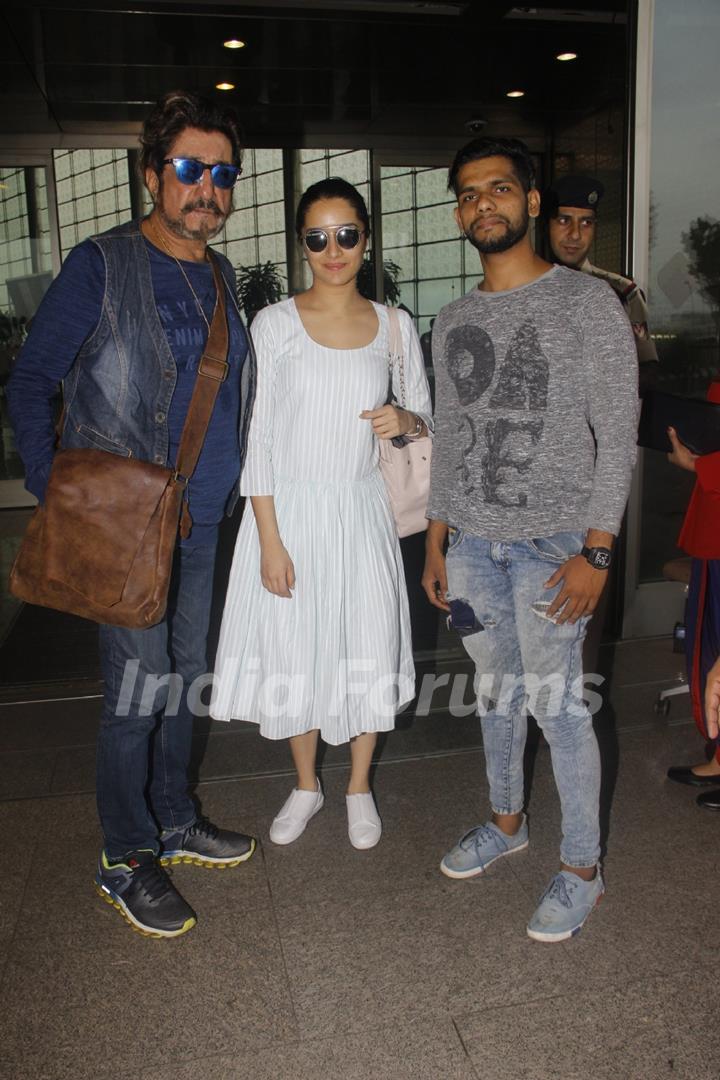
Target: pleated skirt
[338,655]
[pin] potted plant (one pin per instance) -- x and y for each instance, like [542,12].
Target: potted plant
[258,286]
[13,331]
[366,281]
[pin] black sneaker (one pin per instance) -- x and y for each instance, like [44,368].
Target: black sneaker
[144,895]
[203,844]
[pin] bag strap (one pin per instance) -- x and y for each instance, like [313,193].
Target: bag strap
[396,353]
[212,372]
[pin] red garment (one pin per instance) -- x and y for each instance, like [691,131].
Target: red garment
[700,533]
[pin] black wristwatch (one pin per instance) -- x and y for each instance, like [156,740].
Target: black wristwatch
[599,557]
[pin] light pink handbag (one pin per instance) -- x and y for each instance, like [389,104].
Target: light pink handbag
[405,468]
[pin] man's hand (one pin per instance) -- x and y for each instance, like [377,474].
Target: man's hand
[277,572]
[712,701]
[389,422]
[434,579]
[582,585]
[680,454]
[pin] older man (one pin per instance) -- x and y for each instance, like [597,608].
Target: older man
[123,328]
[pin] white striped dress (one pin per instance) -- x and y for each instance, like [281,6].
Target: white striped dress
[337,656]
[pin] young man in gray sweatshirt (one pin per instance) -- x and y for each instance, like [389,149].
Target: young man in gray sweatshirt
[536,418]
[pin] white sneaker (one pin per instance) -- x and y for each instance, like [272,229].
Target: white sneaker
[364,824]
[295,814]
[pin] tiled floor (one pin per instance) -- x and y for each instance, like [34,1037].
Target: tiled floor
[318,961]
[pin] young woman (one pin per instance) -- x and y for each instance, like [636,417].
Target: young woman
[315,638]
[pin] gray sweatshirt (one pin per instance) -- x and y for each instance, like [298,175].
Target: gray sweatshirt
[536,409]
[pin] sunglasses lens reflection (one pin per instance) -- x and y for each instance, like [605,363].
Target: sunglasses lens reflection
[224,176]
[348,237]
[190,171]
[316,241]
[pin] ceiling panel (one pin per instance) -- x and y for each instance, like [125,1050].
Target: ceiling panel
[367,68]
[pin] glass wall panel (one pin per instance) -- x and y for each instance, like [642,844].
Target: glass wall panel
[684,277]
[421,237]
[440,260]
[93,193]
[25,273]
[398,228]
[255,233]
[25,260]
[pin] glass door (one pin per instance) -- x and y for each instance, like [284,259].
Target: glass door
[26,270]
[28,256]
[677,253]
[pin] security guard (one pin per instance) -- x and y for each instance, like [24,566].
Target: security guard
[570,208]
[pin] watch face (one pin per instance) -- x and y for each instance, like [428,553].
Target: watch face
[601,559]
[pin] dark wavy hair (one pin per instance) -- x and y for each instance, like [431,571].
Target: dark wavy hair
[487,146]
[332,188]
[173,113]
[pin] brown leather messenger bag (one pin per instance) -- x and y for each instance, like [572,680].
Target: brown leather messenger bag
[102,544]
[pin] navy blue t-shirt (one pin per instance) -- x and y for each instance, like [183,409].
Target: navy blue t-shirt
[186,331]
[69,313]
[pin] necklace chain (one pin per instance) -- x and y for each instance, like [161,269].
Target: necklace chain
[179,265]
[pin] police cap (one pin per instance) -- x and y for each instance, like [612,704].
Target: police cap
[580,191]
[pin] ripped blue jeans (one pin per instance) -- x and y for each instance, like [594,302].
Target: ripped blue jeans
[526,663]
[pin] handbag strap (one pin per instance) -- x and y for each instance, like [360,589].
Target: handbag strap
[396,354]
[212,372]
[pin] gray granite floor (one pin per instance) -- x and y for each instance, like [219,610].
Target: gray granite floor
[318,961]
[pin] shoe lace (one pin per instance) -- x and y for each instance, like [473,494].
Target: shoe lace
[558,890]
[203,827]
[153,879]
[477,837]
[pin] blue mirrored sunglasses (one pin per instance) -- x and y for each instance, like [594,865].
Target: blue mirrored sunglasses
[190,171]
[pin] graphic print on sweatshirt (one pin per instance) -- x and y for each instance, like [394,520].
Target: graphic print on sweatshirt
[498,439]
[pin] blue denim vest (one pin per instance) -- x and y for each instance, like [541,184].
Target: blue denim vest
[117,394]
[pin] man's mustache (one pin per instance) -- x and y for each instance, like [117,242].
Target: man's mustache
[482,220]
[202,204]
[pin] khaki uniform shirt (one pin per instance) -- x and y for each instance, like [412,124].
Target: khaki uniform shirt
[633,301]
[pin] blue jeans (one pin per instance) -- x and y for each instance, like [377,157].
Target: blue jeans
[146,725]
[525,662]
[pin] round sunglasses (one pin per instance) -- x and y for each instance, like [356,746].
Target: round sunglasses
[346,236]
[191,171]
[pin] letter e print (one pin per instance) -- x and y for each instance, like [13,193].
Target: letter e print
[501,433]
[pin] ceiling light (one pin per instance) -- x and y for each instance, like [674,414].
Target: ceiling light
[515,93]
[224,86]
[234,43]
[566,56]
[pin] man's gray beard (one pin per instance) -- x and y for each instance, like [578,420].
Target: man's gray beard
[180,229]
[509,239]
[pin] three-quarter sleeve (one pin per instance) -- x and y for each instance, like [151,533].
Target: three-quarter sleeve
[417,391]
[257,476]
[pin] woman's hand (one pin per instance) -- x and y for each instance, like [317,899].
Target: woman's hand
[680,454]
[388,422]
[277,572]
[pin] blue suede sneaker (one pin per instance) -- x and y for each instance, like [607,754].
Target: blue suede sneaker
[564,906]
[474,852]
